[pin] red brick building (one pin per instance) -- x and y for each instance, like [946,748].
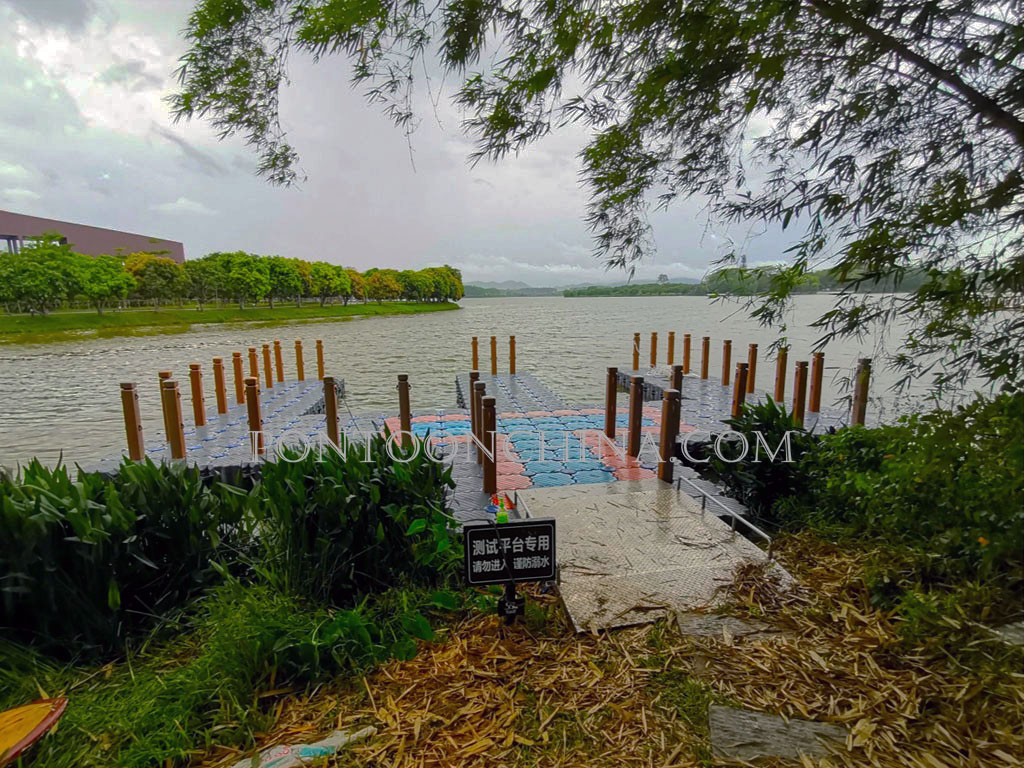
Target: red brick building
[17,228]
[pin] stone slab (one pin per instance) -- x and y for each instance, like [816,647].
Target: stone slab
[742,734]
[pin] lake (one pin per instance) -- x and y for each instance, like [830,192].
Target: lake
[62,399]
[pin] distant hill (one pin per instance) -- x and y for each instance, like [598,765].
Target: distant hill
[477,291]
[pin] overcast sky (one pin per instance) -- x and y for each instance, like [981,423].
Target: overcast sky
[86,137]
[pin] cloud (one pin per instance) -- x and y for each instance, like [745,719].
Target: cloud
[193,158]
[132,74]
[184,205]
[19,195]
[73,15]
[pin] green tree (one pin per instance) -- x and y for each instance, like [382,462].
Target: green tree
[40,276]
[102,279]
[357,286]
[157,278]
[886,136]
[383,284]
[329,280]
[305,270]
[285,279]
[248,278]
[204,278]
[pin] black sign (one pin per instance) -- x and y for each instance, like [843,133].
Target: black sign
[523,550]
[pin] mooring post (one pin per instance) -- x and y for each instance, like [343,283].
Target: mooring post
[739,388]
[470,397]
[252,402]
[254,363]
[611,389]
[705,357]
[780,374]
[320,359]
[236,366]
[676,379]
[686,353]
[195,377]
[404,411]
[268,372]
[751,367]
[671,356]
[636,412]
[300,367]
[654,349]
[817,374]
[170,398]
[164,375]
[219,387]
[726,361]
[669,433]
[132,421]
[490,440]
[494,355]
[278,361]
[862,379]
[331,409]
[636,351]
[800,392]
[512,355]
[476,354]
[479,391]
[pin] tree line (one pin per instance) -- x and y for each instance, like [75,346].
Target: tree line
[48,274]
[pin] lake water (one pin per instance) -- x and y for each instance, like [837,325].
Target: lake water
[62,399]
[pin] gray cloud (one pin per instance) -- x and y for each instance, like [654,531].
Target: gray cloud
[72,15]
[132,74]
[193,158]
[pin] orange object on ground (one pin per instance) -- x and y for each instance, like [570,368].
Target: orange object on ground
[22,727]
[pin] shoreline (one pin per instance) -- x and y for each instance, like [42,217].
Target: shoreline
[71,326]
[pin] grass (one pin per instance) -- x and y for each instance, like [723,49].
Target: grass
[62,326]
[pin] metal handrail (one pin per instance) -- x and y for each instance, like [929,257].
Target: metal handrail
[732,513]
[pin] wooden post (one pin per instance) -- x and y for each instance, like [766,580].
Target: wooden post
[268,372]
[236,366]
[132,421]
[705,356]
[654,349]
[320,359]
[300,367]
[218,385]
[611,389]
[490,440]
[676,380]
[726,361]
[817,373]
[636,412]
[671,357]
[331,408]
[686,353]
[512,355]
[252,402]
[278,361]
[739,388]
[751,367]
[195,377]
[479,391]
[636,351]
[862,378]
[800,392]
[404,411]
[780,374]
[476,354]
[494,355]
[669,433]
[474,415]
[170,398]
[164,375]
[254,364]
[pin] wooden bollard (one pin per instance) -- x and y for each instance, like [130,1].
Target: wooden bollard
[512,355]
[780,374]
[636,351]
[800,392]
[739,388]
[195,377]
[278,361]
[817,374]
[862,378]
[671,356]
[611,390]
[654,349]
[254,363]
[726,361]
[636,412]
[219,387]
[479,392]
[170,399]
[300,367]
[320,359]
[676,380]
[476,354]
[686,353]
[252,403]
[669,433]
[474,415]
[331,409]
[268,372]
[132,421]
[164,375]
[751,367]
[236,366]
[404,411]
[490,460]
[494,355]
[705,356]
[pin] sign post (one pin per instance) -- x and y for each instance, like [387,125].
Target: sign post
[513,552]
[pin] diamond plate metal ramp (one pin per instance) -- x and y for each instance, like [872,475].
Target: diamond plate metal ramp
[630,552]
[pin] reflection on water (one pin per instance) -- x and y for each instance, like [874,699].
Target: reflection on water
[62,398]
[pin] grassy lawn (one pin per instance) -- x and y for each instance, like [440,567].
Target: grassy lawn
[61,326]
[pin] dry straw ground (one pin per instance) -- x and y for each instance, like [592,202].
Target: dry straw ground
[536,695]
